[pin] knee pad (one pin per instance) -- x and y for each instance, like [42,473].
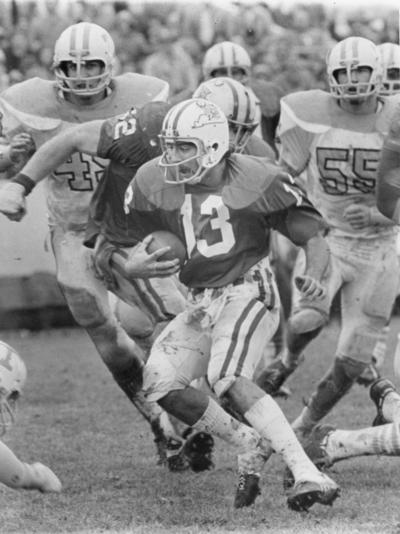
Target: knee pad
[307,320]
[133,320]
[366,345]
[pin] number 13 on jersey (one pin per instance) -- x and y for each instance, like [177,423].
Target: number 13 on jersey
[217,227]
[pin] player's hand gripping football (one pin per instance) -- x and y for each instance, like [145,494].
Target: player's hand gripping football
[310,287]
[12,201]
[142,264]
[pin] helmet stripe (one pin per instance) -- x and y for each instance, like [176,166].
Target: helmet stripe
[235,97]
[72,41]
[234,55]
[177,112]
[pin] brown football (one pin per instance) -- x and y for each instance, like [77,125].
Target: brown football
[163,238]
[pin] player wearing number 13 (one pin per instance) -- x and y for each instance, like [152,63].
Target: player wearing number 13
[336,139]
[222,206]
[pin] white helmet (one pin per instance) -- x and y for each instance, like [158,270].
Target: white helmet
[79,43]
[350,54]
[390,56]
[12,380]
[238,103]
[227,58]
[198,122]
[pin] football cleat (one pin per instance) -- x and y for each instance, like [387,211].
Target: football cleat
[272,378]
[176,458]
[47,481]
[378,391]
[305,493]
[314,447]
[198,450]
[247,489]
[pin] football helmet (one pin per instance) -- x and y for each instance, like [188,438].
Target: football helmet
[229,57]
[198,122]
[77,44]
[350,54]
[12,380]
[238,103]
[390,57]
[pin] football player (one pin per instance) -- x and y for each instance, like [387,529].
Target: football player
[84,89]
[221,205]
[13,472]
[337,138]
[230,59]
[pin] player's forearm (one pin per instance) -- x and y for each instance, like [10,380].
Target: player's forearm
[388,186]
[317,256]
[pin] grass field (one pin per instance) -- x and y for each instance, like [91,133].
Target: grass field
[74,418]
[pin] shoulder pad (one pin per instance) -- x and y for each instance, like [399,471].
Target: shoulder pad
[141,88]
[311,110]
[269,95]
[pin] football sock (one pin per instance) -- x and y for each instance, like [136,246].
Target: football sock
[384,439]
[268,419]
[215,420]
[391,407]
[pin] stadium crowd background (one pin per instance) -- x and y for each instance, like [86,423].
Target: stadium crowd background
[286,42]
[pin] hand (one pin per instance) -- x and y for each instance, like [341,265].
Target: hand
[12,201]
[21,145]
[358,216]
[141,264]
[310,287]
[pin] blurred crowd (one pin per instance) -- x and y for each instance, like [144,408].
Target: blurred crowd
[168,39]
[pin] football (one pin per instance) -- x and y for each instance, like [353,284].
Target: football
[163,238]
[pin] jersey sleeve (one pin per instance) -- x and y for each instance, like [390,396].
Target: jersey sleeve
[293,141]
[291,212]
[120,139]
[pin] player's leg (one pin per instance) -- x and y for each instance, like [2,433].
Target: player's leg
[87,299]
[304,324]
[20,475]
[179,356]
[241,330]
[367,302]
[327,445]
[387,402]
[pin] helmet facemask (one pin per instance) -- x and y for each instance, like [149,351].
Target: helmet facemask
[81,85]
[8,411]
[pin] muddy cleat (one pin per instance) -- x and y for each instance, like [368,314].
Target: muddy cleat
[305,493]
[176,458]
[378,391]
[315,446]
[198,450]
[247,490]
[272,378]
[47,481]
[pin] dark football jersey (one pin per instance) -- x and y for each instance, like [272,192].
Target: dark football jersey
[128,142]
[223,220]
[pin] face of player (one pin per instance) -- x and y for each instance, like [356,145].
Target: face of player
[183,155]
[86,70]
[393,75]
[357,84]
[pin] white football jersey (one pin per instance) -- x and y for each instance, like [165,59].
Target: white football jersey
[339,152]
[37,107]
